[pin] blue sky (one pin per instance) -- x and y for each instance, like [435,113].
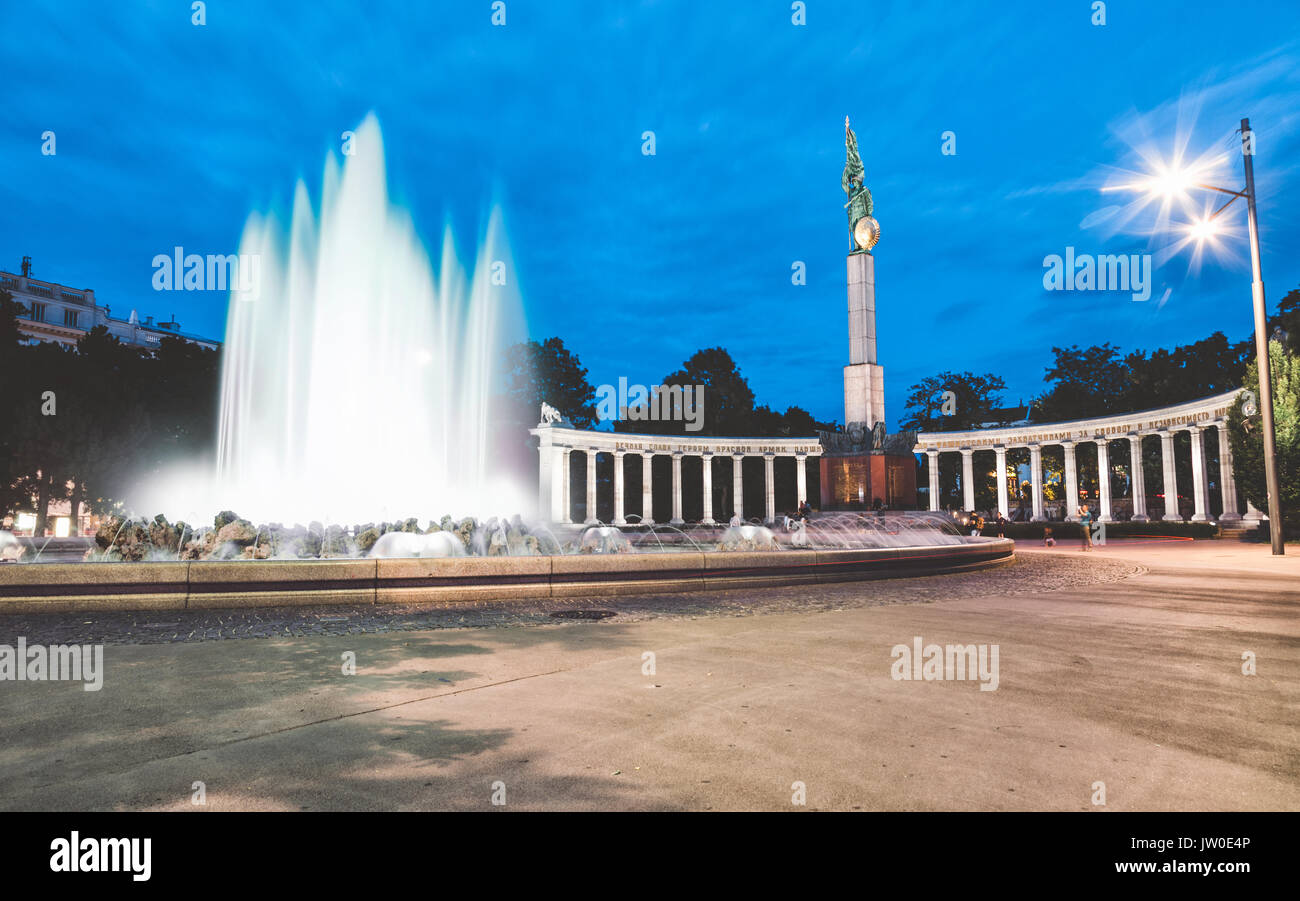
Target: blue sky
[169,133]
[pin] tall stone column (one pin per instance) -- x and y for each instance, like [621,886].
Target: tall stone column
[1103,479]
[769,485]
[1170,477]
[591,484]
[1227,482]
[933,454]
[1138,478]
[566,486]
[1200,485]
[1071,482]
[619,519]
[967,479]
[677,489]
[738,484]
[864,379]
[647,489]
[1001,464]
[546,455]
[1036,480]
[706,459]
[801,477]
[560,509]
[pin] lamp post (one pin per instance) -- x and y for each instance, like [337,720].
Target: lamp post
[1175,180]
[1261,348]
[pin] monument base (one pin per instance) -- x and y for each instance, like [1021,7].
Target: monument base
[855,482]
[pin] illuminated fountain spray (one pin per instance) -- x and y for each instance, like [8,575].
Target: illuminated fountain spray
[356,379]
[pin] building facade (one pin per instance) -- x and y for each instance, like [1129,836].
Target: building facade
[62,315]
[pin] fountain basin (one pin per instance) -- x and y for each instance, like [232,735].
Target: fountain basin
[61,587]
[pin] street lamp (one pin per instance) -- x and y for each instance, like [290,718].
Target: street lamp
[1175,180]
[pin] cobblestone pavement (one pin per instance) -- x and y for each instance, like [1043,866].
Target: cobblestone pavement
[1027,575]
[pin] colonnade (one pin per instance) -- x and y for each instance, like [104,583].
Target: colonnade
[558,444]
[1194,418]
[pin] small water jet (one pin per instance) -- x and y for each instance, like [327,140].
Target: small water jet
[416,544]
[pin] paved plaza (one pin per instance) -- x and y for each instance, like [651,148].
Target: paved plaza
[1122,666]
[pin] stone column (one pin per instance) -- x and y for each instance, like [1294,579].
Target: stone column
[565,500]
[967,479]
[619,519]
[1253,514]
[647,488]
[933,454]
[1200,492]
[1071,482]
[1227,483]
[677,489]
[591,485]
[1001,453]
[1170,477]
[706,459]
[738,484]
[1036,480]
[769,485]
[801,477]
[560,509]
[546,454]
[1103,479]
[1138,477]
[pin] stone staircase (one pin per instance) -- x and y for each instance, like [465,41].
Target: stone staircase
[1238,531]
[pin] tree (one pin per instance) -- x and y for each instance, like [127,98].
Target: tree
[970,398]
[1288,319]
[1088,382]
[548,373]
[1209,366]
[1246,434]
[728,399]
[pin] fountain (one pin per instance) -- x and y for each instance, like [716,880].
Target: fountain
[355,378]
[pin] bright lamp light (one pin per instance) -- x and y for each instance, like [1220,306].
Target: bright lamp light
[1203,229]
